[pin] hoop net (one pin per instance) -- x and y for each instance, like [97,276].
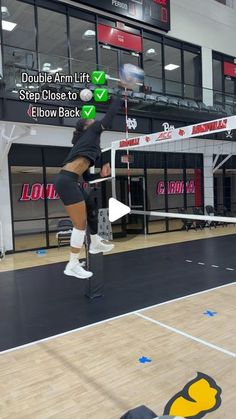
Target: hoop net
[145,154]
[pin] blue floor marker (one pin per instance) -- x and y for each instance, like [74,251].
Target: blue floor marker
[41,252]
[210,313]
[144,360]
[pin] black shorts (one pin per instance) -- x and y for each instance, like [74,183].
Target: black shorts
[67,187]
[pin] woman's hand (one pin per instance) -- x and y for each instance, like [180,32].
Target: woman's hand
[106,170]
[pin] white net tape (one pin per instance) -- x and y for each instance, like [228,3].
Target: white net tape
[177,134]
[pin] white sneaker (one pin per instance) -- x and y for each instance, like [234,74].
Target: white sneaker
[100,247]
[78,271]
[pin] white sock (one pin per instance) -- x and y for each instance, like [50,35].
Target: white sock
[74,258]
[94,239]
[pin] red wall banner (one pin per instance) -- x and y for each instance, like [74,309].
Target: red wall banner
[229,69]
[117,38]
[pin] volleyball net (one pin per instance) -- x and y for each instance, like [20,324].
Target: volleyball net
[179,173]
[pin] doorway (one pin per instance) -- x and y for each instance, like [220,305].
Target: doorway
[36,207]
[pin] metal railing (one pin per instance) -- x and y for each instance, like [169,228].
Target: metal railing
[25,61]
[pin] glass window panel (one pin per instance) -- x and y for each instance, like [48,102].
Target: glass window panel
[130,58]
[230,190]
[152,63]
[15,61]
[155,199]
[172,57]
[59,64]
[173,71]
[230,84]
[194,188]
[109,63]
[136,222]
[217,75]
[22,15]
[218,190]
[83,45]
[192,68]
[27,192]
[28,207]
[52,29]
[175,189]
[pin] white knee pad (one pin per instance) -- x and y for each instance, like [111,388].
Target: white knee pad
[77,238]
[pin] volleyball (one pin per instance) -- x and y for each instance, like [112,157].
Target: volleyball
[86,95]
[131,74]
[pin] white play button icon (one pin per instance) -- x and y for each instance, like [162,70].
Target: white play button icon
[117,210]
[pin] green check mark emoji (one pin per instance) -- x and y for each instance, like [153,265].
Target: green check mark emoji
[88,112]
[98,77]
[101,95]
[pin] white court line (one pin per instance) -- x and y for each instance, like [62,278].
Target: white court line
[187,335]
[27,345]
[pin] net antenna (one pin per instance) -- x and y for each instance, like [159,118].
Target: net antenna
[181,140]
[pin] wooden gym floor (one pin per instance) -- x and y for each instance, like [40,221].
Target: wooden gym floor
[157,291]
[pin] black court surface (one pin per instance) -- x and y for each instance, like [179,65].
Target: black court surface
[41,302]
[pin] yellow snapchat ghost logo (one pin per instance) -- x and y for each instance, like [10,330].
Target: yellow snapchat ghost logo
[199,397]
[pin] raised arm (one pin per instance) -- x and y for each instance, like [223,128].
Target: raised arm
[111,112]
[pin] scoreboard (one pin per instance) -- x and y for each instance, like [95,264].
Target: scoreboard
[151,12]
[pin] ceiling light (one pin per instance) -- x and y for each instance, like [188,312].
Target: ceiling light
[171,67]
[5,11]
[151,52]
[56,70]
[89,34]
[8,26]
[18,84]
[88,49]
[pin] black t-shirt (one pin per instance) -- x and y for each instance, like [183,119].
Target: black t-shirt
[88,144]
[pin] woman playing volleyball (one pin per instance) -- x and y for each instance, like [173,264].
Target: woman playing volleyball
[85,152]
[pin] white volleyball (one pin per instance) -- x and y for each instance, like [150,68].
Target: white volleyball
[86,95]
[131,74]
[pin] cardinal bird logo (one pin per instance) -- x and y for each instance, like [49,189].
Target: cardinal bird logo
[199,397]
[147,139]
[181,132]
[29,112]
